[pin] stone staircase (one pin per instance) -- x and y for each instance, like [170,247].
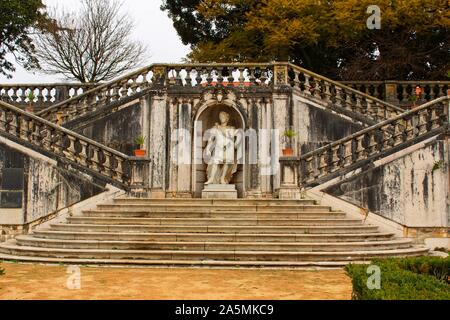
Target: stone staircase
[209,233]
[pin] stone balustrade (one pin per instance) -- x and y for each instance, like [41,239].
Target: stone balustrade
[371,143]
[69,147]
[43,95]
[156,77]
[399,92]
[339,96]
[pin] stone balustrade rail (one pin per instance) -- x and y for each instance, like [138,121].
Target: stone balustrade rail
[372,143]
[400,92]
[340,96]
[43,95]
[27,129]
[159,76]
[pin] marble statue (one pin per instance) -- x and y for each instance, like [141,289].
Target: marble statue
[221,151]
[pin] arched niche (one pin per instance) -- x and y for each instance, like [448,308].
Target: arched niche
[206,118]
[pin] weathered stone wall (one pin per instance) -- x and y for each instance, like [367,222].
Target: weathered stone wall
[317,127]
[117,130]
[412,190]
[44,189]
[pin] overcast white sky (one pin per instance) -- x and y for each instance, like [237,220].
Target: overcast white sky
[153,27]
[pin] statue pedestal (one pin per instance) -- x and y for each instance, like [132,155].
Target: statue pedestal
[220,191]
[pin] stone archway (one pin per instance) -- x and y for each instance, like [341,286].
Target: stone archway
[206,118]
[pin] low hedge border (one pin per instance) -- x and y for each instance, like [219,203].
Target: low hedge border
[424,278]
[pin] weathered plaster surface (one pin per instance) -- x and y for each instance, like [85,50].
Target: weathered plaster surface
[317,127]
[412,190]
[118,130]
[46,189]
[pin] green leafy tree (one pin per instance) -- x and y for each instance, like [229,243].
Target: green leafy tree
[329,37]
[18,19]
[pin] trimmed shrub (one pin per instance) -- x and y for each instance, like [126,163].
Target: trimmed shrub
[422,278]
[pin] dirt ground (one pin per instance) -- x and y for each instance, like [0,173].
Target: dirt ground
[41,282]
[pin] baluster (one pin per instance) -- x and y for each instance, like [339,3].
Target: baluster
[372,149]
[327,91]
[335,158]
[310,172]
[57,142]
[14,96]
[40,96]
[107,164]
[348,100]
[398,133]
[115,96]
[13,125]
[24,128]
[323,164]
[358,106]
[387,136]
[83,156]
[96,165]
[422,122]
[338,96]
[36,136]
[435,120]
[2,120]
[307,84]
[371,109]
[241,75]
[188,80]
[360,150]
[348,153]
[409,129]
[119,174]
[70,151]
[381,111]
[198,76]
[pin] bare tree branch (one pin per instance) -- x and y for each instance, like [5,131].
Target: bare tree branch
[91,45]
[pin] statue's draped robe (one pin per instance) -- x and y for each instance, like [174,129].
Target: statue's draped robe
[221,150]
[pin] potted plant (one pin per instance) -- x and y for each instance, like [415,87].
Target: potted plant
[288,151]
[140,142]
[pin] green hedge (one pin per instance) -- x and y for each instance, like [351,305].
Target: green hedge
[424,278]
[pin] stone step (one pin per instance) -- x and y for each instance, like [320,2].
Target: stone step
[11,248]
[30,241]
[214,214]
[213,221]
[210,264]
[215,202]
[215,229]
[216,208]
[211,237]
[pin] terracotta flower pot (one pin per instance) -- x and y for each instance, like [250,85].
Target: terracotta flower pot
[288,152]
[140,153]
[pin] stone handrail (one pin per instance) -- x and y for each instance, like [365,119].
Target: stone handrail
[399,92]
[66,146]
[158,76]
[373,143]
[340,96]
[44,94]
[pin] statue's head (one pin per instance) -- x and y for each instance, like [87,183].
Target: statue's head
[224,117]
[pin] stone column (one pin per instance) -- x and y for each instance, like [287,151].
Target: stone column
[281,123]
[158,145]
[172,162]
[185,148]
[254,149]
